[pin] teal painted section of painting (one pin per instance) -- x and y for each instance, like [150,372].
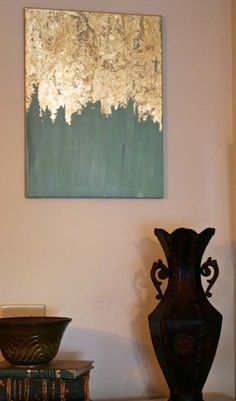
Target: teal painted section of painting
[95,156]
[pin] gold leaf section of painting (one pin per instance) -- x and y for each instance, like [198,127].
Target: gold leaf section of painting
[77,58]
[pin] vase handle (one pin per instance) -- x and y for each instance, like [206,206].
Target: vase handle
[163,273]
[206,272]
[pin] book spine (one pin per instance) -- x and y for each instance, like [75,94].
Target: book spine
[3,392]
[20,390]
[8,390]
[44,389]
[12,389]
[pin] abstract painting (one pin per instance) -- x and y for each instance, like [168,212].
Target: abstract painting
[93,104]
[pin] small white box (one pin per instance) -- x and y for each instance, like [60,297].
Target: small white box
[21,310]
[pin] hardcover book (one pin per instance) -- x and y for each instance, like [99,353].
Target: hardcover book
[56,370]
[24,389]
[59,381]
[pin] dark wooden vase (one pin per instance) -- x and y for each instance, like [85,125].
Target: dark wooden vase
[185,327]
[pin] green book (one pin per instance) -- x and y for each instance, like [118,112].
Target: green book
[55,370]
[25,389]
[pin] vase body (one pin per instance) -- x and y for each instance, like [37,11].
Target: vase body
[185,327]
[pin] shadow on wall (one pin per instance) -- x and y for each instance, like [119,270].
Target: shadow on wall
[124,367]
[119,372]
[150,251]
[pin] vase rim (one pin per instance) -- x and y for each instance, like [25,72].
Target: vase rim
[190,231]
[184,243]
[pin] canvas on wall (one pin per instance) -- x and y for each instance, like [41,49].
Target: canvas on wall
[93,104]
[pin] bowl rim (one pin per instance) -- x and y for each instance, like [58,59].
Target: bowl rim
[33,320]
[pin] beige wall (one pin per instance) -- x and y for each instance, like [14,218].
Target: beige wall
[90,259]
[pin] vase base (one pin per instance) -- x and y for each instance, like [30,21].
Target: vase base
[186,397]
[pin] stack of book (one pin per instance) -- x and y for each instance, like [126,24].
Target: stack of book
[59,381]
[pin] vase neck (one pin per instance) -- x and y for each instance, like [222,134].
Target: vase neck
[184,276]
[184,249]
